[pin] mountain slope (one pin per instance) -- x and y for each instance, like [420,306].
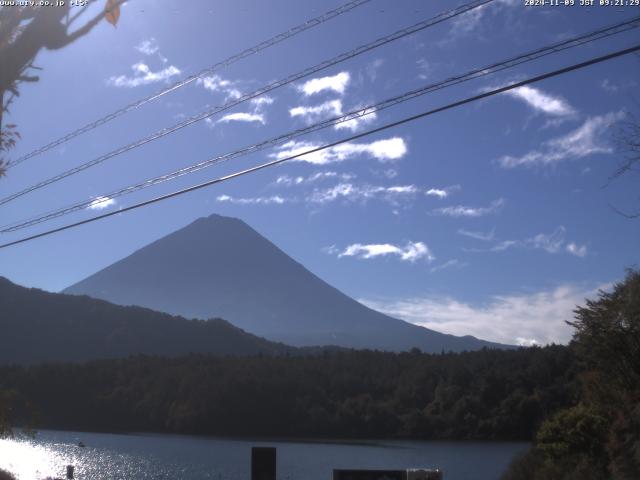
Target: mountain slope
[38,326]
[219,266]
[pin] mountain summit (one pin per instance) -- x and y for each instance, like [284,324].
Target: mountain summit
[220,267]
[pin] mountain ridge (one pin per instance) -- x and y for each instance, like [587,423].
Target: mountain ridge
[39,326]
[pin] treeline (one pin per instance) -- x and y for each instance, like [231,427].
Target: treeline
[488,394]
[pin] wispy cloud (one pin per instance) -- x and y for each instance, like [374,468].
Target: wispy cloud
[466,211]
[442,192]
[288,181]
[542,102]
[148,47]
[313,113]
[584,141]
[273,200]
[243,117]
[485,237]
[410,252]
[256,116]
[521,318]
[551,243]
[453,263]
[554,242]
[100,203]
[362,193]
[389,149]
[261,102]
[577,250]
[332,109]
[469,22]
[615,87]
[142,75]
[337,83]
[357,122]
[215,83]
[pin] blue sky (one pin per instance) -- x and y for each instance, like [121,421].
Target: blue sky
[493,219]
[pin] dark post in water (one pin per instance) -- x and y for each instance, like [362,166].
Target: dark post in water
[263,463]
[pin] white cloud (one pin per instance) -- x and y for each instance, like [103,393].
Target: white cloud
[215,83]
[260,102]
[553,242]
[577,250]
[541,101]
[338,83]
[148,47]
[100,203]
[243,117]
[351,192]
[288,181]
[356,122]
[142,75]
[373,67]
[332,108]
[521,318]
[442,192]
[468,22]
[411,252]
[466,211]
[584,141]
[389,149]
[274,200]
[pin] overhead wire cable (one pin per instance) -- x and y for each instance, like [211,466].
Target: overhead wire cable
[249,96]
[387,126]
[353,115]
[347,7]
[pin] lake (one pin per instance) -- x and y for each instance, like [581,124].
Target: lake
[149,456]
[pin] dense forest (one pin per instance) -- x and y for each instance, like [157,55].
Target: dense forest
[488,394]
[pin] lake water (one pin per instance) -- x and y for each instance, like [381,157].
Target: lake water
[148,456]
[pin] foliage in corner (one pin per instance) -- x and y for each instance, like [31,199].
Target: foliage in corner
[599,437]
[24,32]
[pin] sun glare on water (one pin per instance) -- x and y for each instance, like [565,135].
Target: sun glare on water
[30,461]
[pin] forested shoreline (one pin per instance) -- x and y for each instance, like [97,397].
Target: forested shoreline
[483,395]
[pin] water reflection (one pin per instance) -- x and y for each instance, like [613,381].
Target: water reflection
[28,460]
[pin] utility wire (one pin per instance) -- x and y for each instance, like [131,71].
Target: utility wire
[387,126]
[207,71]
[353,115]
[256,93]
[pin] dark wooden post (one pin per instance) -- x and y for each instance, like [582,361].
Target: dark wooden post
[263,463]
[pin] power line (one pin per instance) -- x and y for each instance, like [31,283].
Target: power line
[347,7]
[353,115]
[256,93]
[387,126]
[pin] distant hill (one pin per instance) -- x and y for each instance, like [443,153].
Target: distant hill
[37,326]
[220,267]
